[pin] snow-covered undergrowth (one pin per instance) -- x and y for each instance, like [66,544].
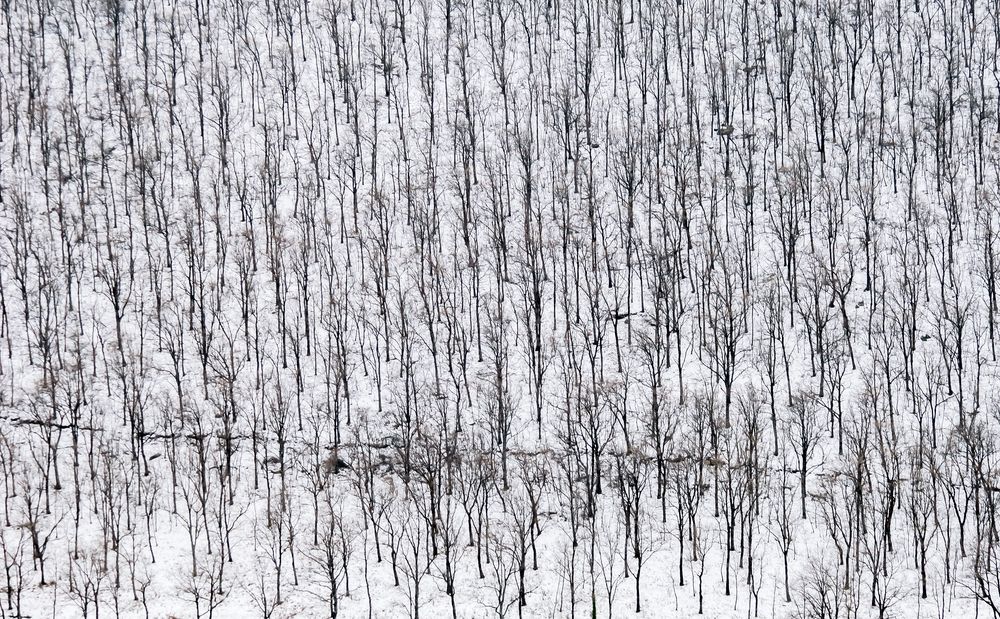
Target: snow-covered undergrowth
[476,308]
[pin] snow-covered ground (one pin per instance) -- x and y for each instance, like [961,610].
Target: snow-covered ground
[535,308]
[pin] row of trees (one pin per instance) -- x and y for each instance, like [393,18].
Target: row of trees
[588,307]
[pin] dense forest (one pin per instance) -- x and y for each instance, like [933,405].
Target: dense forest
[499,308]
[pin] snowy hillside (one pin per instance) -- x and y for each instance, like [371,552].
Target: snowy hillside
[499,308]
